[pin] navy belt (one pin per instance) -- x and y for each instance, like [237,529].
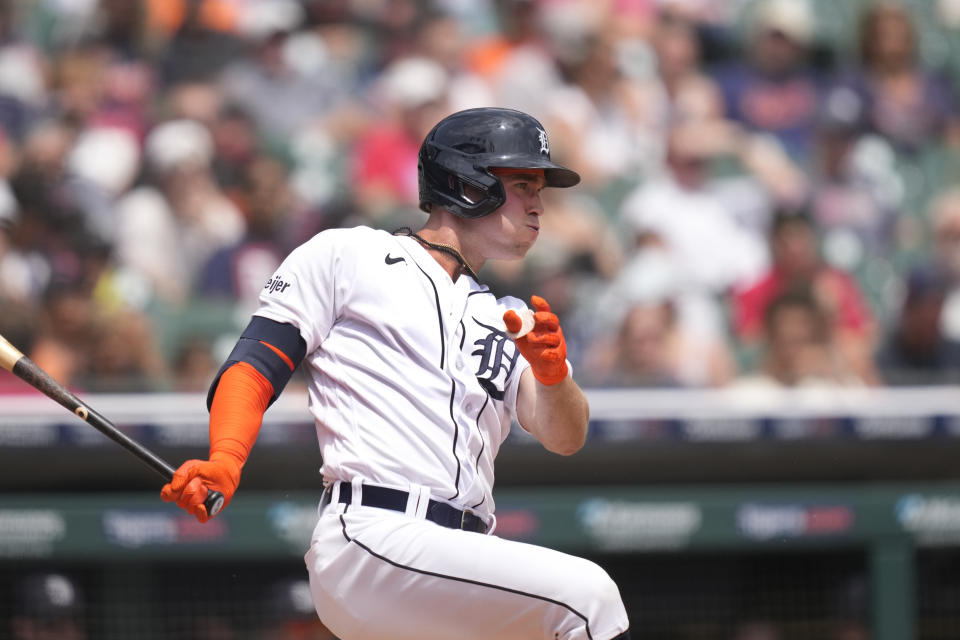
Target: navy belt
[396,500]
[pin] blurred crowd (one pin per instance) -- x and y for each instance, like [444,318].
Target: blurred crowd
[770,194]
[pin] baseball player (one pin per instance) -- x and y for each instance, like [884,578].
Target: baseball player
[416,372]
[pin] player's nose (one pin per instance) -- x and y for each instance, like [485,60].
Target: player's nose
[535,205]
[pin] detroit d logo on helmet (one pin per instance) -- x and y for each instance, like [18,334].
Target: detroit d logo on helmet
[544,143]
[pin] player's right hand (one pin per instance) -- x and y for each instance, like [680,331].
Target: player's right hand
[194,478]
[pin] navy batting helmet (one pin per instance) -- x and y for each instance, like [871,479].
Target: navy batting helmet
[462,148]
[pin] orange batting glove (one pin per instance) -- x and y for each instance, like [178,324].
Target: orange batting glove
[190,483]
[239,403]
[543,346]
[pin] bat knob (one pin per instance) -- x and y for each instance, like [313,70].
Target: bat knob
[213,503]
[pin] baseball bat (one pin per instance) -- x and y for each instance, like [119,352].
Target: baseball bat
[24,368]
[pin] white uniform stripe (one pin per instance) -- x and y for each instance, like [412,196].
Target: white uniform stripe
[483,444]
[436,297]
[456,432]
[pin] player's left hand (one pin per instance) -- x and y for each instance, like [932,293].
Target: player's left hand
[194,478]
[543,346]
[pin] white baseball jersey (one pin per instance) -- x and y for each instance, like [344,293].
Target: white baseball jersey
[412,379]
[413,386]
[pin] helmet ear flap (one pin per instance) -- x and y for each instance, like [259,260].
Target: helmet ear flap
[449,179]
[476,188]
[468,192]
[477,195]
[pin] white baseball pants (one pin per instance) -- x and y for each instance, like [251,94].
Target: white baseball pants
[377,574]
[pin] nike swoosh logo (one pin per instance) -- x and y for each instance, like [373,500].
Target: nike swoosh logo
[390,260]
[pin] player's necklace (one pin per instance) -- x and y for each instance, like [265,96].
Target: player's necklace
[445,248]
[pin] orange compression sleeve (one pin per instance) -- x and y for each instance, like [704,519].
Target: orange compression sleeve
[241,399]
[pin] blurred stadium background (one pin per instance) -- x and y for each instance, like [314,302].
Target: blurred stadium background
[759,280]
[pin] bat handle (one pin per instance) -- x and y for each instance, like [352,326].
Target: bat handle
[213,503]
[23,367]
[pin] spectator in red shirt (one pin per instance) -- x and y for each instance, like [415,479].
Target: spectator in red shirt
[406,101]
[797,264]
